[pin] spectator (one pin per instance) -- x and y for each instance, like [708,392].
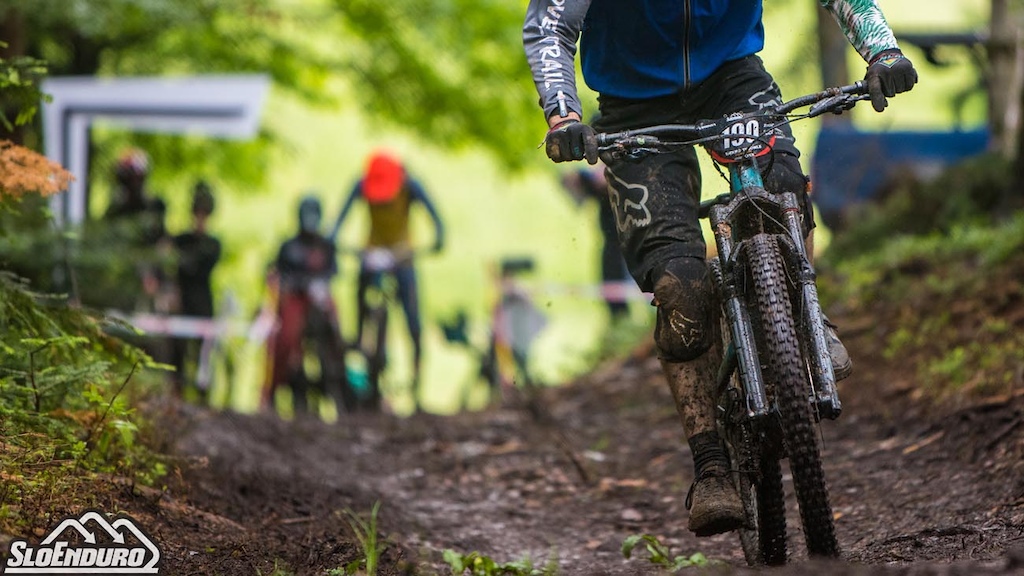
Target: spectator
[140,216]
[198,252]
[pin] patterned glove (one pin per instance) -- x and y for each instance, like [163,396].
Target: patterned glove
[889,73]
[571,140]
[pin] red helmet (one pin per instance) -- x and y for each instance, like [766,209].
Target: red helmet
[384,178]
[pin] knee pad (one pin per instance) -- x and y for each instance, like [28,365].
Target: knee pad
[683,291]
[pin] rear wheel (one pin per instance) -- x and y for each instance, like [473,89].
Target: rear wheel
[771,508]
[784,373]
[758,479]
[333,373]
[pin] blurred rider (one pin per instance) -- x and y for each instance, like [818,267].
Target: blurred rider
[305,266]
[389,192]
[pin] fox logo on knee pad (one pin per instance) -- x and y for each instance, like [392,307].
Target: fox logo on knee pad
[683,293]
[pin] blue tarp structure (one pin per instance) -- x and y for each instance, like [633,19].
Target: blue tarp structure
[852,166]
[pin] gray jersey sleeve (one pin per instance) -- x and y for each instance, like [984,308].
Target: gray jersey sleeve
[550,33]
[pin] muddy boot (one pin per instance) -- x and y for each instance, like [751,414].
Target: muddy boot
[713,502]
[842,366]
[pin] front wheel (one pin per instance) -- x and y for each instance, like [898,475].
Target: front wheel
[783,369]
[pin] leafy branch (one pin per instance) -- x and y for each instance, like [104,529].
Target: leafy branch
[19,88]
[660,554]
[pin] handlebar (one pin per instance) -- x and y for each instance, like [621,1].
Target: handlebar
[858,88]
[381,259]
[837,99]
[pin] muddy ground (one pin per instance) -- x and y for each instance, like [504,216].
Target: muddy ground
[916,488]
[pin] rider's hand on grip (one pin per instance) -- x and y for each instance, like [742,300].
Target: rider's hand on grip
[571,140]
[889,73]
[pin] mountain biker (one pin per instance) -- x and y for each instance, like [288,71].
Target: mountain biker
[655,62]
[198,253]
[389,192]
[303,261]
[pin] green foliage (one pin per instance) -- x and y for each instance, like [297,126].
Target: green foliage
[623,337]
[19,89]
[660,555]
[903,258]
[366,532]
[939,265]
[477,564]
[104,257]
[61,371]
[451,71]
[942,298]
[66,409]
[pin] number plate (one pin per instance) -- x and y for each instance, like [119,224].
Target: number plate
[742,138]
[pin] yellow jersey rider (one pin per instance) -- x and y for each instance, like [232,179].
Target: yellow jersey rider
[389,193]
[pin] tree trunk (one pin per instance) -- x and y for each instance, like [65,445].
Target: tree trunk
[12,32]
[1005,75]
[832,47]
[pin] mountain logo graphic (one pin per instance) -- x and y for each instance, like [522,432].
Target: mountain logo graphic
[89,544]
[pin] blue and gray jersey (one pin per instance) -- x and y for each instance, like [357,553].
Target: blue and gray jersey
[649,48]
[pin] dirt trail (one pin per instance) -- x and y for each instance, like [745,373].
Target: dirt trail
[921,494]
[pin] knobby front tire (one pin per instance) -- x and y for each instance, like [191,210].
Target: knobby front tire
[784,371]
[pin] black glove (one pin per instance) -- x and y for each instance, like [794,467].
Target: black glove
[571,140]
[889,73]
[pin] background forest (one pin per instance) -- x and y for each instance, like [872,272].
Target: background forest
[445,85]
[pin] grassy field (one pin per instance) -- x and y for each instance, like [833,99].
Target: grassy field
[490,214]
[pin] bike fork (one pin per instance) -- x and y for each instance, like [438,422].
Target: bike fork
[822,376]
[742,352]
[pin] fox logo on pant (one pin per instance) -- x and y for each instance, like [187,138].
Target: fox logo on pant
[630,203]
[102,547]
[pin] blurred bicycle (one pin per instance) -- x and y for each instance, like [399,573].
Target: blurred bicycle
[514,324]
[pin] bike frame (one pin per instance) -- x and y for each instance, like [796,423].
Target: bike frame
[381,293]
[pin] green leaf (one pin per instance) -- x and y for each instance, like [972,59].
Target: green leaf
[629,544]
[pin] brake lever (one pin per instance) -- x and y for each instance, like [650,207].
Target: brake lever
[836,104]
[630,148]
[827,105]
[615,153]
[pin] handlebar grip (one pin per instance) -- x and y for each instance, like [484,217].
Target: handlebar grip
[858,87]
